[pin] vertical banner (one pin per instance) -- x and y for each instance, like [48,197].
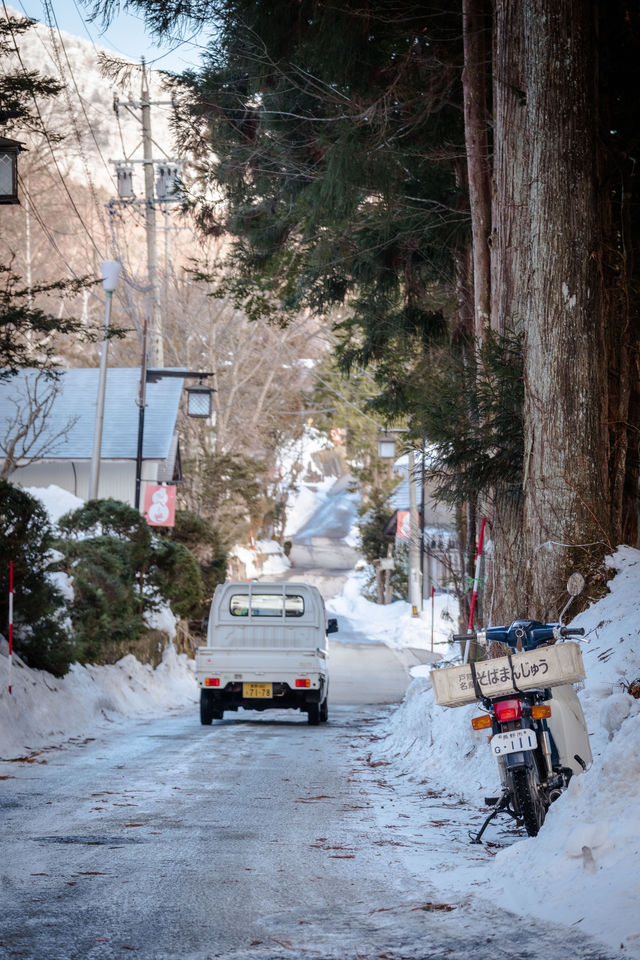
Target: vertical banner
[403,525]
[160,505]
[10,621]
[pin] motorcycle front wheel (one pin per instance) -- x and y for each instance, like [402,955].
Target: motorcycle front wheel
[529,801]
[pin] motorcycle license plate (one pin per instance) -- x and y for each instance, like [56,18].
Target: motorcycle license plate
[513,741]
[257,691]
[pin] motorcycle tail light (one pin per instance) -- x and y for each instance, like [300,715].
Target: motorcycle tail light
[481,723]
[541,711]
[508,710]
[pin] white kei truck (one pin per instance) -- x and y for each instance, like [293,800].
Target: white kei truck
[267,647]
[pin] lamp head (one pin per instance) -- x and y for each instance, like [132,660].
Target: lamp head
[110,273]
[386,448]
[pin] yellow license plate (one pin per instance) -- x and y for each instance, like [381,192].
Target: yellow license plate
[259,691]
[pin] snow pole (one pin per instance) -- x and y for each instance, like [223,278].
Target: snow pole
[474,596]
[10,620]
[433,613]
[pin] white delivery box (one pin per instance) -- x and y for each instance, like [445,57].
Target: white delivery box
[541,668]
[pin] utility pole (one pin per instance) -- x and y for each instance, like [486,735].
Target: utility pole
[387,451]
[154,320]
[161,192]
[415,585]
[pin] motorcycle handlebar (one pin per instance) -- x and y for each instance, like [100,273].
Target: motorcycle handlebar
[564,632]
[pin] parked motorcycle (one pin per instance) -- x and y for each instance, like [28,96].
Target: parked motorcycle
[538,735]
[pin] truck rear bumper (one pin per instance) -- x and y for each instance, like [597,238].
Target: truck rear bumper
[230,698]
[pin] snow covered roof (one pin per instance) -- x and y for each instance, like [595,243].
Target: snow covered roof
[73,411]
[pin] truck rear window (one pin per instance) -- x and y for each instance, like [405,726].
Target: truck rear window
[266,605]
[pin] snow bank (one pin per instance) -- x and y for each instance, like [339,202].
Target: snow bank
[393,623]
[55,500]
[582,868]
[162,618]
[43,711]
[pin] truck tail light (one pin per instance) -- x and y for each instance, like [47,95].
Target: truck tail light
[212,681]
[303,682]
[508,710]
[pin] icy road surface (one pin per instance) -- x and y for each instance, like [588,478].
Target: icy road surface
[258,837]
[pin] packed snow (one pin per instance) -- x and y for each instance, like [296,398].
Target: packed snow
[581,870]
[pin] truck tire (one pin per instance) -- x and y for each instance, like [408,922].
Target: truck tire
[324,711]
[206,710]
[313,711]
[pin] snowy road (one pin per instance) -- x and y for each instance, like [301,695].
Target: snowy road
[259,837]
[322,561]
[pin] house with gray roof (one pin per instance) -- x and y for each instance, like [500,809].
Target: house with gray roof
[440,558]
[47,430]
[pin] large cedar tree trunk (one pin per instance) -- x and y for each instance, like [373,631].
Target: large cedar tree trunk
[546,284]
[566,498]
[476,126]
[510,264]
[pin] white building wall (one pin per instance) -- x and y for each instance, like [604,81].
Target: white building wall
[117,477]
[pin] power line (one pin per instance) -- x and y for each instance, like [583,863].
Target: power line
[72,115]
[51,19]
[179,41]
[49,236]
[47,138]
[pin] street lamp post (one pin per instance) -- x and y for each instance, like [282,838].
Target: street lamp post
[110,273]
[414,557]
[199,405]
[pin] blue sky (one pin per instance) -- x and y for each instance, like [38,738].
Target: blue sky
[126,35]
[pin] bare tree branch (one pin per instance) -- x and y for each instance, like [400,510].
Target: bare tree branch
[27,437]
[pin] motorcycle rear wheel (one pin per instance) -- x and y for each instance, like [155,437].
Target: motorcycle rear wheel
[529,800]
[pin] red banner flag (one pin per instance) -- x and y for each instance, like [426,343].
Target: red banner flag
[160,505]
[403,525]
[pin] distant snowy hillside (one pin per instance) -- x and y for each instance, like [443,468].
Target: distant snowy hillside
[94,135]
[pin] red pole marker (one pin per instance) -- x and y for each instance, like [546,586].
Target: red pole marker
[433,613]
[10,620]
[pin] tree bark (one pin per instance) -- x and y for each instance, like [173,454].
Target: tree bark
[510,264]
[476,124]
[566,493]
[617,177]
[510,227]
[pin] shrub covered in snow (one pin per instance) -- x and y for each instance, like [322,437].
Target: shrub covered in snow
[119,573]
[26,537]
